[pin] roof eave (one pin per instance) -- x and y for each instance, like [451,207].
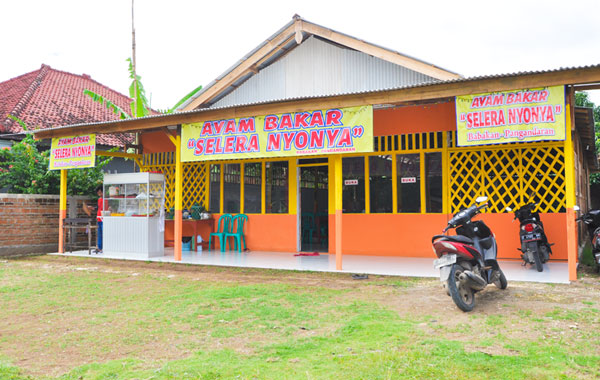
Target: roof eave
[427,91]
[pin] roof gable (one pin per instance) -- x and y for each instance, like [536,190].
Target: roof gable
[318,67]
[287,39]
[46,98]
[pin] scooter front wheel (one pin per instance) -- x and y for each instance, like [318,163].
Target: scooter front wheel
[462,295]
[500,282]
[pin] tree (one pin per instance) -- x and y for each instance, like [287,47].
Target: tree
[582,100]
[24,170]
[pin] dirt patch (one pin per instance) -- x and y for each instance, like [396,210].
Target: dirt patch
[524,310]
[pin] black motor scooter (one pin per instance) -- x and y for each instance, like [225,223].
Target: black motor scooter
[592,220]
[534,244]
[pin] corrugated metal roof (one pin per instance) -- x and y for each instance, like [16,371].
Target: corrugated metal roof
[319,67]
[283,50]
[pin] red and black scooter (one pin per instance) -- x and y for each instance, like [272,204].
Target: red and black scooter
[467,260]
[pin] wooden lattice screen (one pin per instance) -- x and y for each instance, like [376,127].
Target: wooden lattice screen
[194,178]
[508,176]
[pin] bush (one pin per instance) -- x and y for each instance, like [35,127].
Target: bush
[24,170]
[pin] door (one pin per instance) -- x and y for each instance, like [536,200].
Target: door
[313,208]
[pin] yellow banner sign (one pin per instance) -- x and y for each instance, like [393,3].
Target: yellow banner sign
[327,131]
[511,116]
[73,152]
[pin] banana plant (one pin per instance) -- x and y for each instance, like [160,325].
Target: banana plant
[140,106]
[107,103]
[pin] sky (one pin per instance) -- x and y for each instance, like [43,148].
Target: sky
[183,44]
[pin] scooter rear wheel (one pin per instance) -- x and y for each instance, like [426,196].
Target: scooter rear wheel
[462,295]
[535,252]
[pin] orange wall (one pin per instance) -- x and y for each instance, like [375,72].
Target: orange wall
[154,142]
[270,232]
[415,119]
[507,234]
[407,235]
[410,234]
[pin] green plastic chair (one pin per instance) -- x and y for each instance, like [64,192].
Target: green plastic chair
[237,224]
[308,227]
[223,228]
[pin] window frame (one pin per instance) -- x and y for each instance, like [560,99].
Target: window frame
[414,143]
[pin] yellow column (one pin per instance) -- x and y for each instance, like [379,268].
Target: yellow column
[178,199]
[242,203]
[293,187]
[62,209]
[263,188]
[337,167]
[570,188]
[221,187]
[367,184]
[445,175]
[422,189]
[394,183]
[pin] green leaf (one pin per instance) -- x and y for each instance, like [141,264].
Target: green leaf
[139,106]
[107,103]
[21,122]
[189,95]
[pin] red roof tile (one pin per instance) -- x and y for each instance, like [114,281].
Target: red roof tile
[48,98]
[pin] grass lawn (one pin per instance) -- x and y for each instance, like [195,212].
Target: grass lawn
[70,318]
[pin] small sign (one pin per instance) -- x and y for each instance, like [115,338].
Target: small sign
[350,182]
[408,179]
[73,152]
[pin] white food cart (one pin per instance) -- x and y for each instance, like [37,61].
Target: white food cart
[134,221]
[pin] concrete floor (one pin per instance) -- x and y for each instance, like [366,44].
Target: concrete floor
[554,272]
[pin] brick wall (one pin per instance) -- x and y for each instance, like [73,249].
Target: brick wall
[29,223]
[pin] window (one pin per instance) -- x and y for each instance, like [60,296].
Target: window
[252,187]
[409,182]
[231,188]
[380,183]
[276,187]
[433,182]
[353,189]
[215,189]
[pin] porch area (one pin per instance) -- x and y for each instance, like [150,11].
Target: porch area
[554,272]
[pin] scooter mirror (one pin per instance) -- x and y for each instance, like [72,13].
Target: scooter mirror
[508,209]
[481,199]
[576,208]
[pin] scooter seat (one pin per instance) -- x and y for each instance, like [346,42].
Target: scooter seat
[456,238]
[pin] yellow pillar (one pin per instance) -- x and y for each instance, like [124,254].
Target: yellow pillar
[570,188]
[337,167]
[394,183]
[263,188]
[178,199]
[242,176]
[62,209]
[445,175]
[293,187]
